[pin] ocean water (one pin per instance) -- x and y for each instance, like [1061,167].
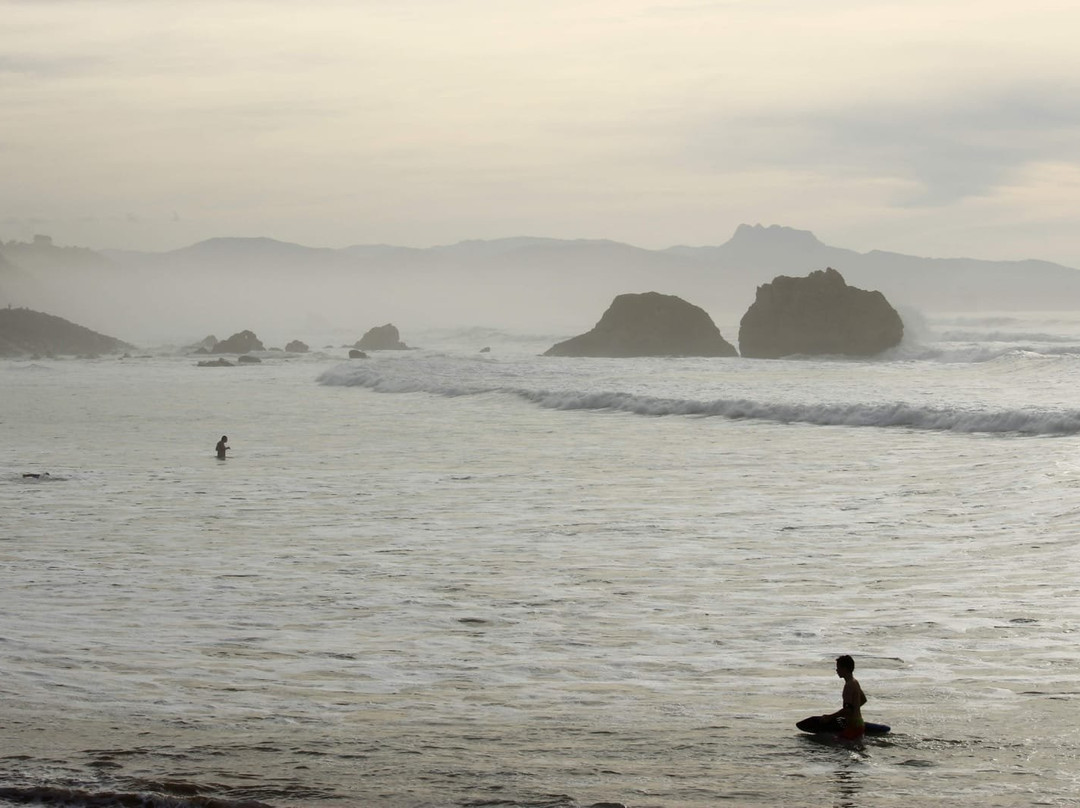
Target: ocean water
[450,578]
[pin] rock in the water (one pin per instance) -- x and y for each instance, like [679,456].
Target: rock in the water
[296,346]
[382,338]
[203,346]
[649,324]
[216,363]
[243,342]
[355,354]
[23,331]
[248,359]
[815,315]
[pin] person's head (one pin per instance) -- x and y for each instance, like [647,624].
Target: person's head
[844,665]
[224,438]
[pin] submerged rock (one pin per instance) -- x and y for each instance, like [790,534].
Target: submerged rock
[216,363]
[815,315]
[649,324]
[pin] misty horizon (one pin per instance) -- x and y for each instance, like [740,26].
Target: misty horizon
[554,287]
[519,239]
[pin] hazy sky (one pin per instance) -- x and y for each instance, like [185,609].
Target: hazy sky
[931,127]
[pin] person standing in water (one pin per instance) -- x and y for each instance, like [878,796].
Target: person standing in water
[849,717]
[221,447]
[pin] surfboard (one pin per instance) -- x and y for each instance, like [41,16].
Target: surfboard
[819,725]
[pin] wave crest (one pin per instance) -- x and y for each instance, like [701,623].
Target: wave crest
[888,414]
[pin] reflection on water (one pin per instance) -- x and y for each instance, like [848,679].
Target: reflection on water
[848,783]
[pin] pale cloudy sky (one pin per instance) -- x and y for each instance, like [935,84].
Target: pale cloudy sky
[931,127]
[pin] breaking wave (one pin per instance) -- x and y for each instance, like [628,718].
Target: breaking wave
[977,353]
[880,414]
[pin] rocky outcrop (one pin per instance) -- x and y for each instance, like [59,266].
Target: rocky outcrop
[296,346]
[355,354]
[815,315]
[649,324]
[203,346]
[240,343]
[381,338]
[23,331]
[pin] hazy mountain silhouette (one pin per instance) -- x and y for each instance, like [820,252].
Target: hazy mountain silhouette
[548,286]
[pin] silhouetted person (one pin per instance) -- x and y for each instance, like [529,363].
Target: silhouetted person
[849,717]
[222,447]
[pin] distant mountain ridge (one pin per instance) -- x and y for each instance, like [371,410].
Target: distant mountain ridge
[753,250]
[546,285]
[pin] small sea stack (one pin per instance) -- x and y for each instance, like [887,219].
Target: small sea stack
[381,338]
[240,343]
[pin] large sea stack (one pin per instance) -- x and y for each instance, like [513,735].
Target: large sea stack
[815,315]
[649,324]
[23,331]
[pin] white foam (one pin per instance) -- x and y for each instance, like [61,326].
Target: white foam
[398,377]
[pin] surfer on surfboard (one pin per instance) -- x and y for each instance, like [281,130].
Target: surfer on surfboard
[849,716]
[847,723]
